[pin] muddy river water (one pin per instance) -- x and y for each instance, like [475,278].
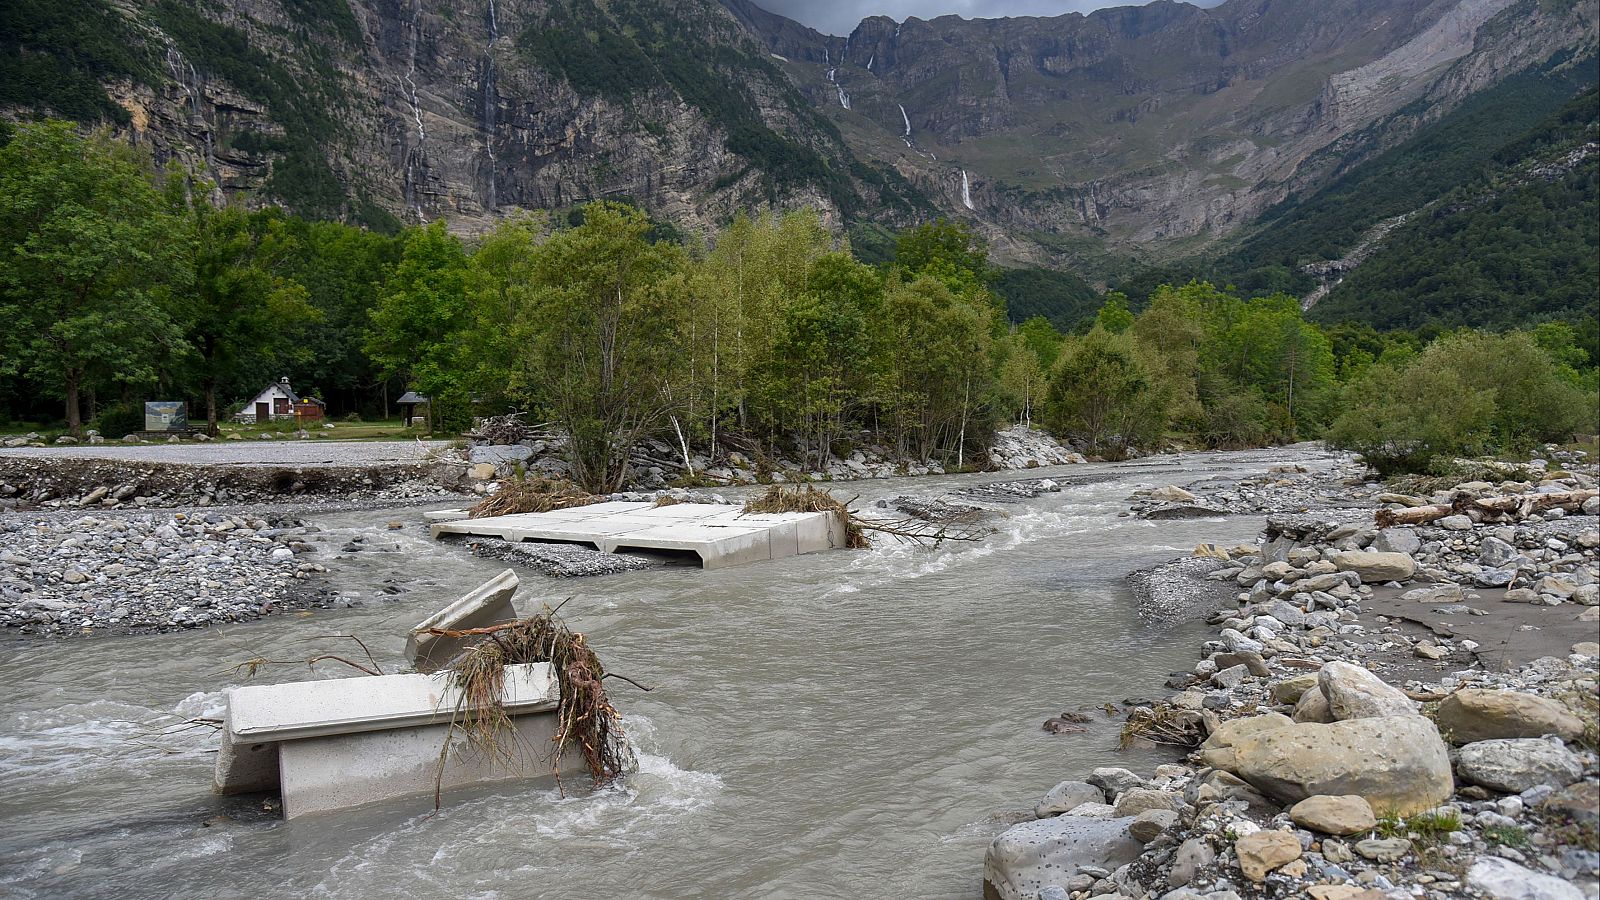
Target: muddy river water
[849,724]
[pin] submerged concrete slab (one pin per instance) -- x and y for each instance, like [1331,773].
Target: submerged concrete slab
[719,534]
[340,771]
[488,604]
[346,741]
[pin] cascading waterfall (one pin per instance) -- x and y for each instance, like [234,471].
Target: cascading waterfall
[966,191]
[907,136]
[844,99]
[186,75]
[490,102]
[870,60]
[416,160]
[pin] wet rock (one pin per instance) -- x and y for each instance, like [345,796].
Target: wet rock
[1334,815]
[1395,763]
[1028,858]
[1263,851]
[1476,714]
[1502,879]
[1355,693]
[1517,764]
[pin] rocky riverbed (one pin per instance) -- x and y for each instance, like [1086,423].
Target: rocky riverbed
[1379,712]
[152,572]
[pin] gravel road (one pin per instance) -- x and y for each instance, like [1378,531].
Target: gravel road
[245,453]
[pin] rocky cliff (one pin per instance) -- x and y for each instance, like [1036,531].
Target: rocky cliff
[1131,130]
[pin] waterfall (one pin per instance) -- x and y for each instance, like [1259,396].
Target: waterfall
[906,118]
[490,104]
[830,76]
[966,191]
[844,99]
[410,86]
[870,60]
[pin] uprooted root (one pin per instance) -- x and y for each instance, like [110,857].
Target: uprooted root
[807,499]
[1168,725]
[586,721]
[533,494]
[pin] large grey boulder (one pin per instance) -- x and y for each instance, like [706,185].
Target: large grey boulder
[1028,858]
[1354,693]
[1502,879]
[1398,764]
[1313,707]
[1377,567]
[1515,764]
[1477,714]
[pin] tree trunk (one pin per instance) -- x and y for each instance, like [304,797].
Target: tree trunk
[74,413]
[211,407]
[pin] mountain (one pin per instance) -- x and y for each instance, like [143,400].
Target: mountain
[1095,142]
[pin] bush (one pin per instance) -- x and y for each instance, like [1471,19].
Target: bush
[1465,395]
[119,419]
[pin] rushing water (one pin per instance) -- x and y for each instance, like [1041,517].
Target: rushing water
[834,725]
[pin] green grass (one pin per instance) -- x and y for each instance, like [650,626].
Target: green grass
[380,430]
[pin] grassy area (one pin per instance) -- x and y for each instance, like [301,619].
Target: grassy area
[377,430]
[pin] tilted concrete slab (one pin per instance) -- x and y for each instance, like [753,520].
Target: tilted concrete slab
[719,534]
[488,604]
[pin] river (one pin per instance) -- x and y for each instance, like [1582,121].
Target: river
[849,724]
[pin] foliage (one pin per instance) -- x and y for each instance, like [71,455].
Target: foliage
[55,53]
[1104,396]
[1060,297]
[419,316]
[90,262]
[1464,395]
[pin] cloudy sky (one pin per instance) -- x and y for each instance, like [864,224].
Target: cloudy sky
[841,16]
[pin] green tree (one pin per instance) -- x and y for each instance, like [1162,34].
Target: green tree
[948,251]
[1114,315]
[607,313]
[242,306]
[418,322]
[91,258]
[1103,395]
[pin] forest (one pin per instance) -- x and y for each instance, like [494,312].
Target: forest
[124,283]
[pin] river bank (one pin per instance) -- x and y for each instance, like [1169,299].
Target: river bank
[1406,711]
[837,725]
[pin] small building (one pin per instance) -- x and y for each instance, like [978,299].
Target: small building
[412,405]
[277,402]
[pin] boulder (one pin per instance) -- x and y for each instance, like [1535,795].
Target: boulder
[1398,764]
[1192,856]
[1114,780]
[1383,849]
[1065,796]
[1263,851]
[1313,707]
[1290,690]
[1133,802]
[1172,494]
[1376,568]
[1476,714]
[1334,815]
[1148,825]
[1515,764]
[1026,859]
[1230,732]
[1397,540]
[1355,693]
[1502,879]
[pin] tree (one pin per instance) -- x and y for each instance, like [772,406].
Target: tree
[421,314]
[948,251]
[91,258]
[1103,395]
[242,307]
[607,316]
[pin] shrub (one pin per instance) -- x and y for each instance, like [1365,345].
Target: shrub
[119,419]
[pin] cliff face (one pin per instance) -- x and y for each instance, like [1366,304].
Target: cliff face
[1132,130]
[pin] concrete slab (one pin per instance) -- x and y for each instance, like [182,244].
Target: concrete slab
[488,604]
[719,534]
[284,712]
[340,771]
[444,515]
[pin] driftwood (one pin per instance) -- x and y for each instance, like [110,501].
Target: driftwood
[1510,507]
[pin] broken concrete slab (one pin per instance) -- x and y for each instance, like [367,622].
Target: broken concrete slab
[488,604]
[346,741]
[718,534]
